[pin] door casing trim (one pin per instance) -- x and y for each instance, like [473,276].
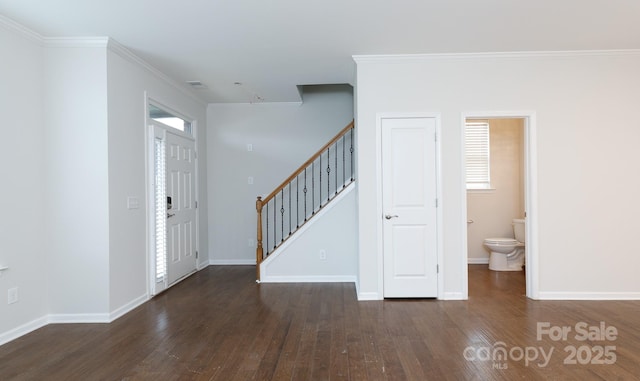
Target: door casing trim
[531,196]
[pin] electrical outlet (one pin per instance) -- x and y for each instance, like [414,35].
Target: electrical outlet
[250,180]
[251,244]
[12,295]
[323,255]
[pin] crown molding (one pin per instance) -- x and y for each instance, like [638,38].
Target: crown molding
[267,103]
[128,55]
[95,42]
[489,55]
[76,42]
[22,30]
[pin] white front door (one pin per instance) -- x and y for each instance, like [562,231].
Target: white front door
[409,207]
[181,211]
[174,207]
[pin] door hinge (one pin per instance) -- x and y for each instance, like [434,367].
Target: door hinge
[196,254]
[437,269]
[435,136]
[436,202]
[196,204]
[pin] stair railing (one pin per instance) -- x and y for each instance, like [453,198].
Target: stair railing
[310,188]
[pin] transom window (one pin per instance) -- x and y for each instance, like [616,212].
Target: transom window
[169,119]
[477,157]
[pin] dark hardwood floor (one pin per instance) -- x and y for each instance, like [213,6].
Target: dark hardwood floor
[220,325]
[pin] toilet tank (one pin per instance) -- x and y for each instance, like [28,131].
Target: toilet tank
[519,230]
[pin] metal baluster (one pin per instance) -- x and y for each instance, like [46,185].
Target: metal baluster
[267,235]
[297,201]
[335,167]
[351,151]
[275,221]
[313,189]
[320,187]
[344,169]
[328,174]
[304,190]
[289,208]
[282,215]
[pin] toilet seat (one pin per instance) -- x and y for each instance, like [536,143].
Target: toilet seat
[501,241]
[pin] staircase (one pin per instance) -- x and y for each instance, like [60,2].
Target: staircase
[303,194]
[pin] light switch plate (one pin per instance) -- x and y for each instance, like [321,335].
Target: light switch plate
[12,295]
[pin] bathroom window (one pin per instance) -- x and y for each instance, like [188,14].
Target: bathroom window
[477,154]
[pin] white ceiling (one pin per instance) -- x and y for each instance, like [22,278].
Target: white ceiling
[271,46]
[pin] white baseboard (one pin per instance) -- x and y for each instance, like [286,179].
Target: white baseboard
[478,261]
[78,318]
[71,318]
[453,296]
[232,262]
[23,329]
[309,279]
[119,312]
[363,296]
[555,295]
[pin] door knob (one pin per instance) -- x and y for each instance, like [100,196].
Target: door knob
[169,215]
[389,216]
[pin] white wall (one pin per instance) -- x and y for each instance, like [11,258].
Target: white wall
[334,230]
[22,231]
[127,83]
[283,136]
[587,132]
[95,109]
[74,126]
[77,214]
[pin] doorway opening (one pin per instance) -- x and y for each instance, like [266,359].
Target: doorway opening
[499,188]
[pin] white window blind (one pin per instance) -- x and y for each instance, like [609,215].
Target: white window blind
[160,211]
[477,148]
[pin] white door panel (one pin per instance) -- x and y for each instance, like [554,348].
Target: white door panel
[413,262]
[409,207]
[182,215]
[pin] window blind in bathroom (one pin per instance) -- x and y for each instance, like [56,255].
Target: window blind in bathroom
[477,155]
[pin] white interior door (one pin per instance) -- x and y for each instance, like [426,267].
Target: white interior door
[181,210]
[409,207]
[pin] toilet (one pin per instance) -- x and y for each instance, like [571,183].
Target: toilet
[507,254]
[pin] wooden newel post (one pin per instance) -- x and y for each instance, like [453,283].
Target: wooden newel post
[259,251]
